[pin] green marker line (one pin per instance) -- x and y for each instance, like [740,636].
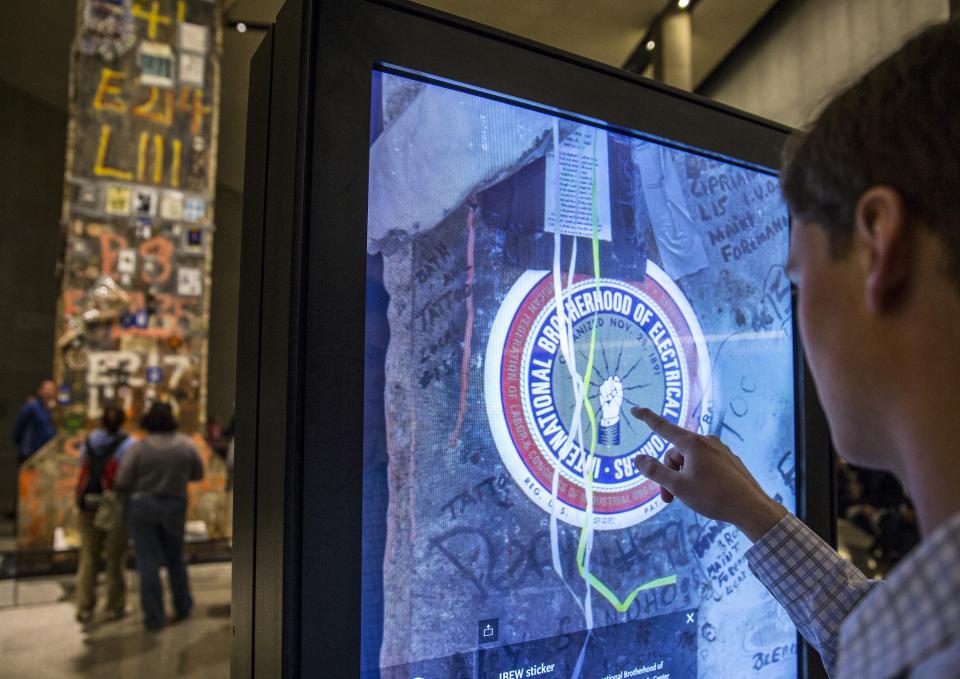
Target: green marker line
[600,587]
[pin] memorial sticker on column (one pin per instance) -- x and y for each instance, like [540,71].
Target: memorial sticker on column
[191,69]
[88,195]
[107,29]
[144,202]
[156,64]
[143,229]
[193,241]
[154,374]
[127,261]
[192,37]
[194,209]
[171,205]
[583,173]
[189,282]
[118,200]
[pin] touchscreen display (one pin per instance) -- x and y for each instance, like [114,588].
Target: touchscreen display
[531,276]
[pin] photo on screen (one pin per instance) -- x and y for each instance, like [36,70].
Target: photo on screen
[531,276]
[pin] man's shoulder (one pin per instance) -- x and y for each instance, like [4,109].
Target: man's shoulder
[184,444]
[184,440]
[915,612]
[31,405]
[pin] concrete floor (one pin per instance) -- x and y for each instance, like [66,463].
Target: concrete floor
[41,640]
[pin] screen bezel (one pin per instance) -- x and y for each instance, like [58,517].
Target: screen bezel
[323,55]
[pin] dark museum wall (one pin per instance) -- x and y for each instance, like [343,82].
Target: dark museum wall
[32,145]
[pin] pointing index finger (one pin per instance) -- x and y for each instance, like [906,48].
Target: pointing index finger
[680,437]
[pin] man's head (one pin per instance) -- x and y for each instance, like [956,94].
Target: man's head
[113,418]
[873,187]
[47,393]
[159,419]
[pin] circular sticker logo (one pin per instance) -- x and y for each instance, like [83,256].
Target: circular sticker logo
[648,351]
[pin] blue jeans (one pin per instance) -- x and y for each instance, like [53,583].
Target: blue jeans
[156,525]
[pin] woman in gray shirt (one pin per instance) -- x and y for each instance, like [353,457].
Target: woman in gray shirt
[154,473]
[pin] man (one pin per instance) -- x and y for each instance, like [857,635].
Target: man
[873,188]
[155,472]
[34,424]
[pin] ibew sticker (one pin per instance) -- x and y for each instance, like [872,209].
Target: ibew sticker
[648,351]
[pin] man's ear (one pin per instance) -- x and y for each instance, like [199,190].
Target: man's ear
[883,240]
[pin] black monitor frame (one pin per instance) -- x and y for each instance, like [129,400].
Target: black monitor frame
[297,522]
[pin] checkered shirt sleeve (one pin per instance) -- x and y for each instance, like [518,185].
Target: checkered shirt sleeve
[817,587]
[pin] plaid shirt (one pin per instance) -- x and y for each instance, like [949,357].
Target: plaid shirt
[907,626]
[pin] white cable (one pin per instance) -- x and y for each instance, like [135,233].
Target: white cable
[568,351]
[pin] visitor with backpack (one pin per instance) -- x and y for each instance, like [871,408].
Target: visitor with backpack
[101,527]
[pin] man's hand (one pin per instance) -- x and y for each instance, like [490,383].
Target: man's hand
[708,478]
